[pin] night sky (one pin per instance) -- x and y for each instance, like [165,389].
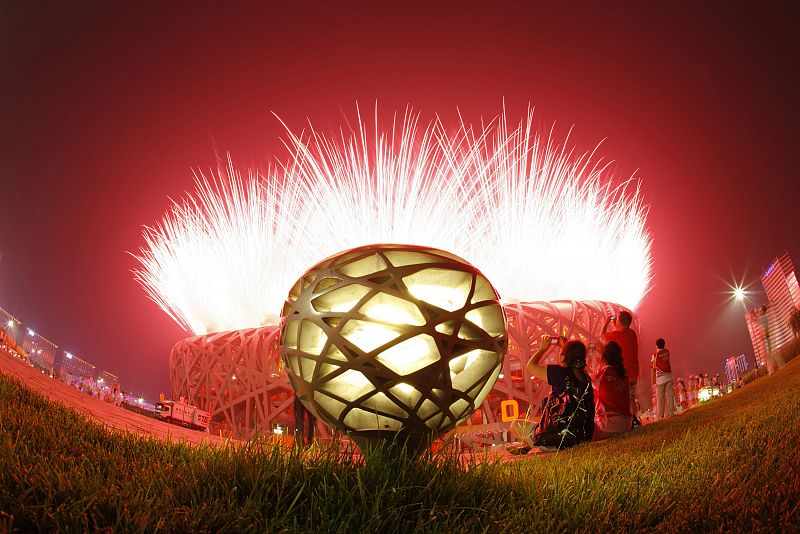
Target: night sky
[107,107]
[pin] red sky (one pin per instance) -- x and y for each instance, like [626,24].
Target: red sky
[106,108]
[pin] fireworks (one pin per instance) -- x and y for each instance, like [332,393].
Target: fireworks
[538,221]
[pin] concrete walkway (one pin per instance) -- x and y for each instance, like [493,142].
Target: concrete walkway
[114,417]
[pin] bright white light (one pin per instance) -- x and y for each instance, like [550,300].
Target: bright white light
[405,388]
[69,356]
[368,336]
[278,430]
[410,355]
[140,400]
[100,380]
[541,222]
[704,394]
[31,332]
[10,323]
[448,298]
[392,310]
[738,293]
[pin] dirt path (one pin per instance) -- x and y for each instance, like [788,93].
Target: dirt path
[103,412]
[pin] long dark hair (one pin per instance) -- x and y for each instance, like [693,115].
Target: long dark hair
[575,354]
[612,355]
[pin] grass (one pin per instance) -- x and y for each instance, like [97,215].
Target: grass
[732,464]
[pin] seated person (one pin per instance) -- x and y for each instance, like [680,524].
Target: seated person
[572,361]
[612,404]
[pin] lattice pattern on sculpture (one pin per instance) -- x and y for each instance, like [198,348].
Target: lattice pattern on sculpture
[389,338]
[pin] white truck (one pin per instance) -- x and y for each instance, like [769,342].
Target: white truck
[182,413]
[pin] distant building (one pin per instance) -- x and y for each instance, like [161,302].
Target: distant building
[756,336]
[41,350]
[108,379]
[10,324]
[783,293]
[71,369]
[735,366]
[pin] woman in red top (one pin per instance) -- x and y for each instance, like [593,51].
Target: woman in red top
[612,404]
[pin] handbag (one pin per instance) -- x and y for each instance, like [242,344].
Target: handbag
[564,418]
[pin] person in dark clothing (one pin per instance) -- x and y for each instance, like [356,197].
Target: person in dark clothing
[572,363]
[304,423]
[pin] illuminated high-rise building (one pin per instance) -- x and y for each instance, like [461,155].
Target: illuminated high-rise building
[735,366]
[757,332]
[783,295]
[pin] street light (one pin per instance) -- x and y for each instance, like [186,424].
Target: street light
[738,293]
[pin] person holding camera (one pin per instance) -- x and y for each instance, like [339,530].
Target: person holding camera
[628,342]
[569,375]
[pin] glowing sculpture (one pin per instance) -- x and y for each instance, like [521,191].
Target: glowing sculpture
[393,341]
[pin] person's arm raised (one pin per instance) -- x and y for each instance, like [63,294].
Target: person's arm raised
[536,369]
[653,370]
[605,325]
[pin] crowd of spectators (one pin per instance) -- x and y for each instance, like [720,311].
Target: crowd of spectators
[611,403]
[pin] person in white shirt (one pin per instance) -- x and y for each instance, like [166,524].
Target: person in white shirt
[661,376]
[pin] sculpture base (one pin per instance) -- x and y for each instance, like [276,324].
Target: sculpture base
[412,444]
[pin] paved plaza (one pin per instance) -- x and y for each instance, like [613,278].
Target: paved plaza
[114,417]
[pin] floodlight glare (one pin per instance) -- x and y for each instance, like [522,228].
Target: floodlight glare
[393,341]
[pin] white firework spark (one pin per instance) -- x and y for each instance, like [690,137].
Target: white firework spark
[541,223]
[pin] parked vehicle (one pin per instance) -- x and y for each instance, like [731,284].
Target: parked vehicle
[182,413]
